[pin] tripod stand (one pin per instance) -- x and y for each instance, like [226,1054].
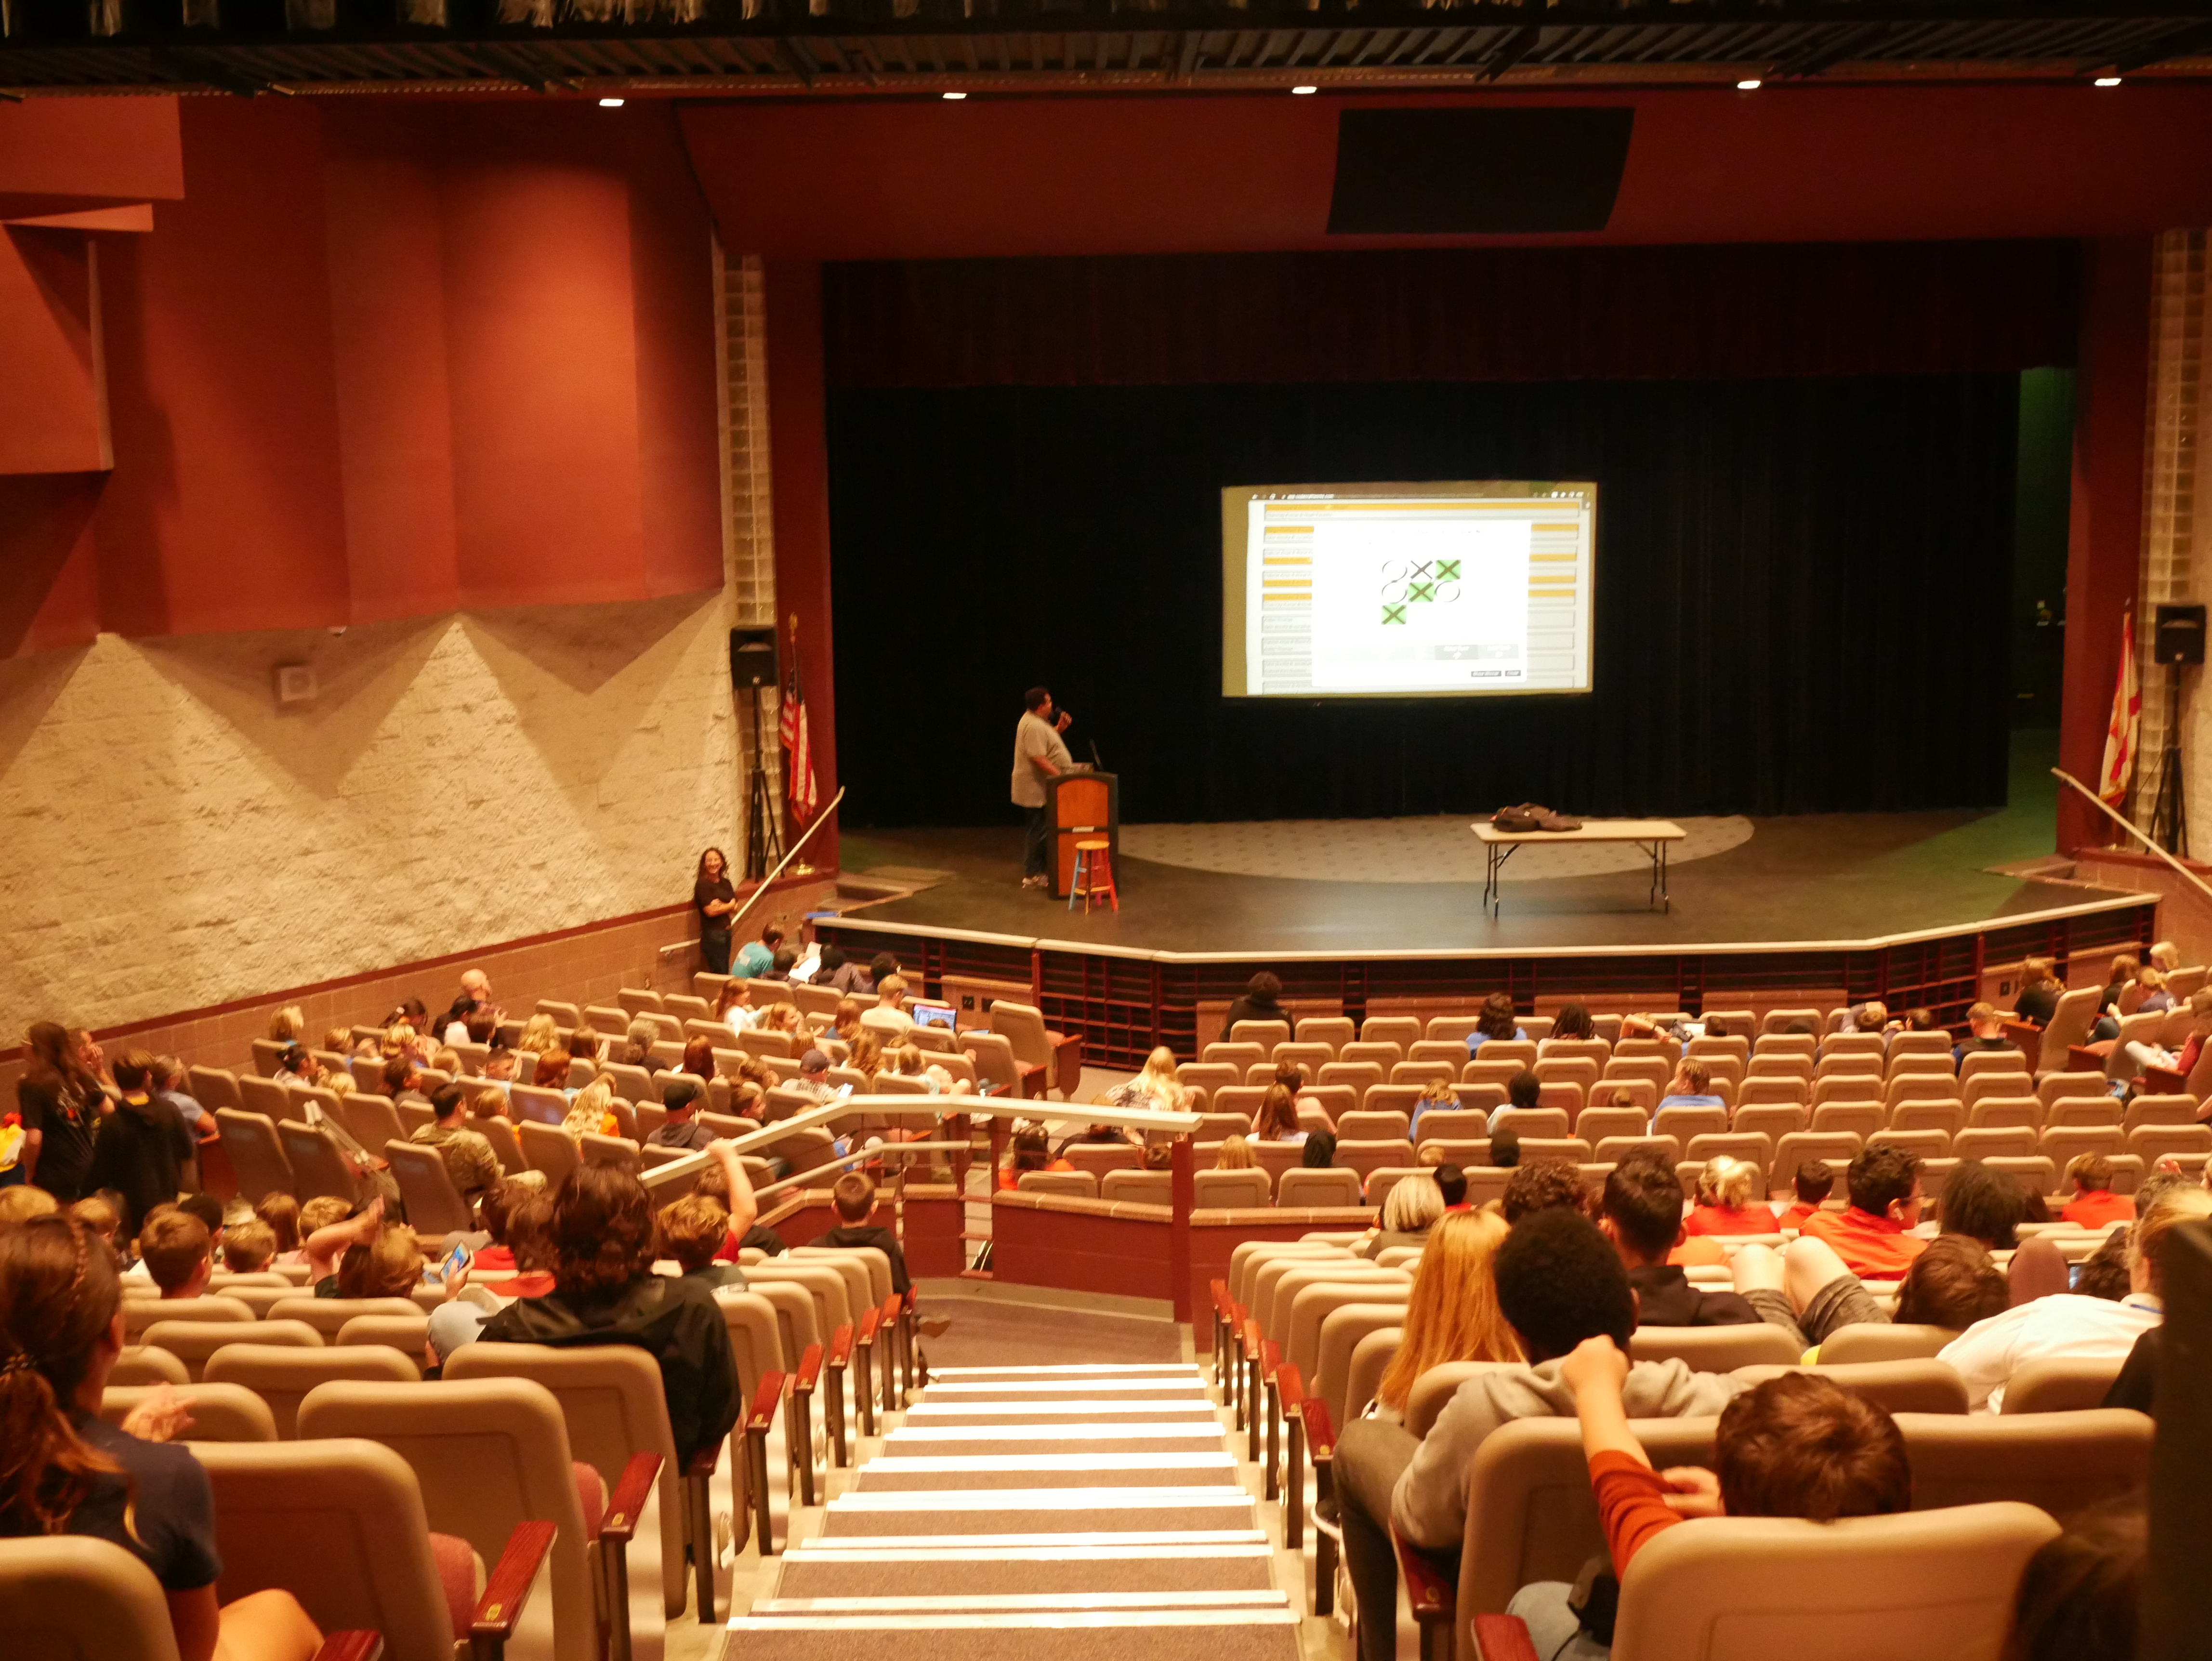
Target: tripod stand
[763,841]
[2169,820]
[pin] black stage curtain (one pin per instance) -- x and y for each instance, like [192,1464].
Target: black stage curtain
[1724,312]
[1800,588]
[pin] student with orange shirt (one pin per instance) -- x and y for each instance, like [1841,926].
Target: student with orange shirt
[1875,1237]
[2095,1204]
[1799,1445]
[1814,1181]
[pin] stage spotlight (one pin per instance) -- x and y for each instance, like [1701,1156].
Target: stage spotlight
[1752,85]
[1300,91]
[611,103]
[954,97]
[2107,81]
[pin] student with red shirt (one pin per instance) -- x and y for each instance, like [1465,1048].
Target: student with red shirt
[2095,1204]
[1875,1237]
[1814,1181]
[1799,1445]
[1727,1200]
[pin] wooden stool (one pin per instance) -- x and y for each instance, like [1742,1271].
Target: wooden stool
[1093,875]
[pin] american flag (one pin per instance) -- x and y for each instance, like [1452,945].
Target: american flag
[797,753]
[2127,717]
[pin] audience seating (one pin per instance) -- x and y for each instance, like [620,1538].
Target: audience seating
[1908,1385]
[1803,1146]
[1714,1349]
[2063,1462]
[1316,1189]
[256,1156]
[283,1377]
[340,1524]
[141,1312]
[2060,1385]
[220,1412]
[1147,1187]
[328,1314]
[193,1342]
[66,1597]
[141,1365]
[1335,1031]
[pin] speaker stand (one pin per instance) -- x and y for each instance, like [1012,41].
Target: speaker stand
[763,841]
[2169,819]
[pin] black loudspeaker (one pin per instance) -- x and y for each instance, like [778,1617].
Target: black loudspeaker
[753,659]
[2180,636]
[1413,172]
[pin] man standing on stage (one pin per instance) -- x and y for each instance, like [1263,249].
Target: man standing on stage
[1038,755]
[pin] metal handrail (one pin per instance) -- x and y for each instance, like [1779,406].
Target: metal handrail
[2128,825]
[820,819]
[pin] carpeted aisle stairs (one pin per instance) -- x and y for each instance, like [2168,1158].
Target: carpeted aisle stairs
[1094,1509]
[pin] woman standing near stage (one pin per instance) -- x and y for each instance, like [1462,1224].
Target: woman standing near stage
[715,897]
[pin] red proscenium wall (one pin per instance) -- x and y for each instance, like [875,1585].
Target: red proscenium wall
[383,359]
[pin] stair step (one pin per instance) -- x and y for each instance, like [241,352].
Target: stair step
[1026,1569]
[894,1475]
[1036,1511]
[1026,1602]
[1075,1370]
[1092,1635]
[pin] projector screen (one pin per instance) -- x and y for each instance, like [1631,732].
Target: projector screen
[1454,590]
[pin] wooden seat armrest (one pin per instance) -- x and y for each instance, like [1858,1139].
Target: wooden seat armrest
[703,1462]
[766,1399]
[2163,1081]
[1252,1340]
[628,1499]
[868,1327]
[1435,1600]
[890,1308]
[1219,1291]
[352,1645]
[506,1589]
[1288,1390]
[1320,1434]
[841,1345]
[1503,1638]
[810,1369]
[1062,1040]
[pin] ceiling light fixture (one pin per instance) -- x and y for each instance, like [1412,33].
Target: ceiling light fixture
[2107,81]
[1300,91]
[954,97]
[611,103]
[1751,85]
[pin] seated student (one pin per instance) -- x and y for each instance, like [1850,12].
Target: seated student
[1559,1282]
[1029,1150]
[100,1217]
[1277,1117]
[889,1020]
[2107,1024]
[1573,1023]
[1642,1217]
[2040,988]
[1523,1092]
[471,1165]
[2080,1594]
[1436,1097]
[1451,1183]
[2095,1204]
[854,1197]
[1985,1035]
[248,1248]
[170,1082]
[1235,1154]
[1319,1153]
[2069,1324]
[604,1292]
[1504,1147]
[304,1220]
[364,1257]
[1408,1211]
[403,1082]
[2141,1057]
[68,1471]
[592,1112]
[1544,1186]
[714,1184]
[1875,1236]
[175,1250]
[1452,1314]
[1798,1446]
[1727,1202]
[692,1232]
[1692,1086]
[1983,1205]
[1496,1021]
[1807,1291]
[1814,1181]
[2156,999]
[1872,1016]
[684,1097]
[755,958]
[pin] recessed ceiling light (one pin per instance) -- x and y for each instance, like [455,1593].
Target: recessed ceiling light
[611,103]
[1752,85]
[2108,80]
[1300,91]
[954,97]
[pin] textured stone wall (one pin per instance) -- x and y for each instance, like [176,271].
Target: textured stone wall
[172,838]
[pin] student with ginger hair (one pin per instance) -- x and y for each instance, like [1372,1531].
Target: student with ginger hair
[1452,1314]
[248,1248]
[693,1231]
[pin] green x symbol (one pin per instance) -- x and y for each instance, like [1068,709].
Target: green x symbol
[1394,614]
[1421,591]
[1447,570]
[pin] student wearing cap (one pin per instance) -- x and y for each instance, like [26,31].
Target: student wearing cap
[683,1098]
[813,1080]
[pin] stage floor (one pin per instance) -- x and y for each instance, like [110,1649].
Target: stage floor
[1815,879]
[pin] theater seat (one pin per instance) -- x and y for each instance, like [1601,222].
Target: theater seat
[1229,1190]
[72,1598]
[1752,1588]
[1075,1185]
[2060,1385]
[1921,1384]
[1314,1189]
[1877,1340]
[220,1413]
[140,1313]
[282,1377]
[1714,1349]
[194,1342]
[140,1365]
[2063,1463]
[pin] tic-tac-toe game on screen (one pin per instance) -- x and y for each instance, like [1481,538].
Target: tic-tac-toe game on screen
[1452,589]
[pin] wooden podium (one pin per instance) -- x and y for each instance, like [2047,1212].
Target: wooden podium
[1078,805]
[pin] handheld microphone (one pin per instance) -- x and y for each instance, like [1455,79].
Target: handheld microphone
[1095,762]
